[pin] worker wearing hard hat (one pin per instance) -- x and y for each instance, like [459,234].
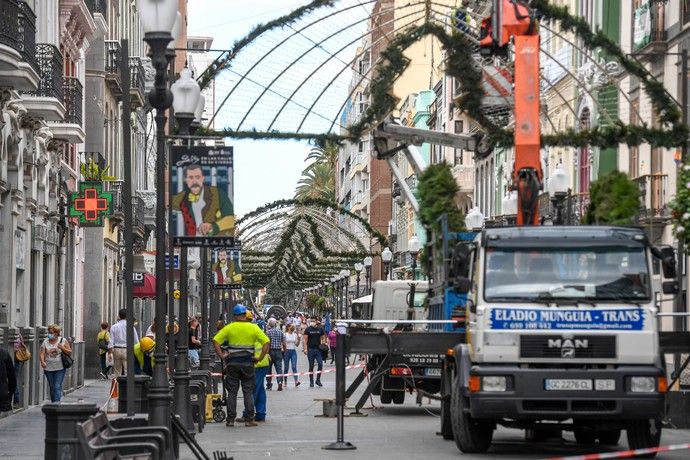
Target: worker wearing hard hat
[260,370]
[238,339]
[143,356]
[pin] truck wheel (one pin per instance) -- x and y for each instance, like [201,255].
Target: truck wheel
[609,437]
[386,397]
[446,420]
[471,436]
[398,397]
[643,434]
[585,437]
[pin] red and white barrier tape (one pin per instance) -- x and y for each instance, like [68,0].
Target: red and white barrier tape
[625,453]
[291,374]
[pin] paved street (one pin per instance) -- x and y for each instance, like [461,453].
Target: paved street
[294,429]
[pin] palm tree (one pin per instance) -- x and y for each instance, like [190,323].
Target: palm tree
[318,181]
[326,154]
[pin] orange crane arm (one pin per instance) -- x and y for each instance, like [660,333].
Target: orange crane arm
[513,19]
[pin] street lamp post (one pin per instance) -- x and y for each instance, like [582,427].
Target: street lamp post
[157,19]
[186,94]
[368,261]
[413,246]
[386,257]
[474,220]
[345,275]
[558,189]
[358,269]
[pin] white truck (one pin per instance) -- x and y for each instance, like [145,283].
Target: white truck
[561,334]
[390,301]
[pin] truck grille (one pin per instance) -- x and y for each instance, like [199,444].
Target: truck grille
[577,347]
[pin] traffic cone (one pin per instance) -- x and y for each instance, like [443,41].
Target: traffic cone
[112,407]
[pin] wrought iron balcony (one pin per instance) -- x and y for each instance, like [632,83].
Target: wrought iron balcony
[137,88]
[9,26]
[98,6]
[113,62]
[653,41]
[26,34]
[73,100]
[49,60]
[653,198]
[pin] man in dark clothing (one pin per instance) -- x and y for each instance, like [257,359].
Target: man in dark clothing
[314,336]
[8,381]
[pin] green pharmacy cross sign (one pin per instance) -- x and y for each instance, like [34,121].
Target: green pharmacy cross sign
[90,204]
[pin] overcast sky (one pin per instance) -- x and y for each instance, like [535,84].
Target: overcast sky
[265,171]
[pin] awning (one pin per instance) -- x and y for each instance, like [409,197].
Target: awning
[365,299]
[145,289]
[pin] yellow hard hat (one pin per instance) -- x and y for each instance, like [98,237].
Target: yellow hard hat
[146,344]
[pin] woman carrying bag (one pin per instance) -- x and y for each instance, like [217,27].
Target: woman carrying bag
[55,358]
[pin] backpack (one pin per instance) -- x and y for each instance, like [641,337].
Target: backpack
[103,343]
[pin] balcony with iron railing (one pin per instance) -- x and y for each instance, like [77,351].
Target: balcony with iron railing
[653,199]
[113,62]
[137,87]
[71,129]
[47,100]
[652,41]
[18,67]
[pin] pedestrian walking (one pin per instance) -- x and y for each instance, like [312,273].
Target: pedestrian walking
[52,349]
[8,381]
[292,341]
[314,337]
[118,343]
[277,347]
[332,336]
[143,356]
[102,339]
[238,339]
[194,342]
[260,371]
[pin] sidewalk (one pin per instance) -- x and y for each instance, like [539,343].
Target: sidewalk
[22,435]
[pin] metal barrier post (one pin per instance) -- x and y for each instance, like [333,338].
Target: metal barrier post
[340,443]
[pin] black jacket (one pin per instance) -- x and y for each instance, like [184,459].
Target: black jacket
[8,381]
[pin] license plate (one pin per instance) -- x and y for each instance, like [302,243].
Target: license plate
[568,384]
[434,371]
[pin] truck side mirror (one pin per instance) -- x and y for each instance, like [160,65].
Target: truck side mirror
[668,261]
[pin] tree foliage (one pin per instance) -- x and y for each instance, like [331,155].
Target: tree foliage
[614,200]
[437,191]
[318,179]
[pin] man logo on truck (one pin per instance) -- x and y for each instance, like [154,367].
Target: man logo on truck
[568,346]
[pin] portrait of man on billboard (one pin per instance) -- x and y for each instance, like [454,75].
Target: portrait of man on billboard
[227,268]
[206,210]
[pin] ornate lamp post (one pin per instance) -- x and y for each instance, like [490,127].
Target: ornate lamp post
[367,273]
[558,189]
[474,220]
[345,275]
[186,94]
[413,246]
[509,203]
[386,257]
[358,268]
[157,19]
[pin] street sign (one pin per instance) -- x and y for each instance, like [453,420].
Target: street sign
[137,279]
[176,262]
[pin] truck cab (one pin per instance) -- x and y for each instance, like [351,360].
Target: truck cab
[561,334]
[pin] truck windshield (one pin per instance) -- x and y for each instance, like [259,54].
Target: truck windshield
[580,273]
